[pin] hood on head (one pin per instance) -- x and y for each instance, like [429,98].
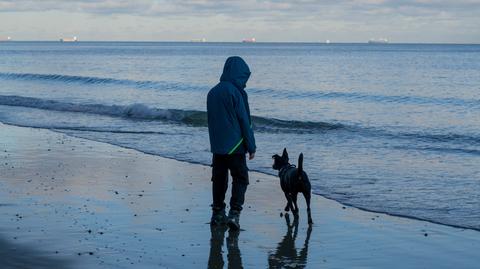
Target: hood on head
[236,71]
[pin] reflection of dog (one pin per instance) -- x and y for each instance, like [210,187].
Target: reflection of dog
[293,180]
[286,255]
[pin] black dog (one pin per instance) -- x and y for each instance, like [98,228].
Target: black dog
[293,180]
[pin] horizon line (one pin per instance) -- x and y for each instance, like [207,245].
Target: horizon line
[242,42]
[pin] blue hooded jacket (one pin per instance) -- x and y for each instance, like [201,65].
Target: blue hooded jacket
[229,121]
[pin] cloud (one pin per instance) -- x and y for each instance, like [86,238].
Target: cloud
[87,6]
[402,20]
[240,8]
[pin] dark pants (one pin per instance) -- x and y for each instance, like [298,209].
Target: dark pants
[237,165]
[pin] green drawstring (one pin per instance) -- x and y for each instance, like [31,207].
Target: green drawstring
[236,146]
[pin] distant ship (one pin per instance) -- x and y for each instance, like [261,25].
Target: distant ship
[327,41]
[5,39]
[74,39]
[378,41]
[249,40]
[201,40]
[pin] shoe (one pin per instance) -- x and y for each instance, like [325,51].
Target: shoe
[218,217]
[233,220]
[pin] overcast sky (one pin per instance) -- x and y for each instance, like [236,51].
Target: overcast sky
[437,21]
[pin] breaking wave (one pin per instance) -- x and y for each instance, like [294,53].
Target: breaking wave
[142,112]
[197,118]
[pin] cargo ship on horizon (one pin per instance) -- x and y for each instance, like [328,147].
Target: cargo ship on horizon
[249,40]
[199,40]
[378,41]
[68,39]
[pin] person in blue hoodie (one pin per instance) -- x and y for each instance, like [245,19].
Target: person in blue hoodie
[231,138]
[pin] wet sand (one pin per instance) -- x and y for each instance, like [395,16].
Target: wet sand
[73,203]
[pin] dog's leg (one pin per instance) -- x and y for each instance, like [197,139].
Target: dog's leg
[307,195]
[289,202]
[295,209]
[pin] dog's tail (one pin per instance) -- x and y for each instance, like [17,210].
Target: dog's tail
[300,166]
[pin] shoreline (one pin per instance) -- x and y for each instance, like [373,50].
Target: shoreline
[103,206]
[264,173]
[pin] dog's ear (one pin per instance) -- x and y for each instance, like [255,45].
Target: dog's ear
[285,154]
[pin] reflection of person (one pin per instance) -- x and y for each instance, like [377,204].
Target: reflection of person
[231,137]
[215,260]
[286,255]
[234,257]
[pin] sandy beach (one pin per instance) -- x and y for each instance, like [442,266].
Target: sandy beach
[73,203]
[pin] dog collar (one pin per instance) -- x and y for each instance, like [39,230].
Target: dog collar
[284,169]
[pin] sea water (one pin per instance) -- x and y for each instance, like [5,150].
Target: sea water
[391,128]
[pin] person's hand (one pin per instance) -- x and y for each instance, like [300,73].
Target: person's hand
[251,156]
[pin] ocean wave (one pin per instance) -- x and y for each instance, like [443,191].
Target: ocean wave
[95,80]
[142,112]
[371,98]
[63,78]
[292,94]
[441,149]
[261,124]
